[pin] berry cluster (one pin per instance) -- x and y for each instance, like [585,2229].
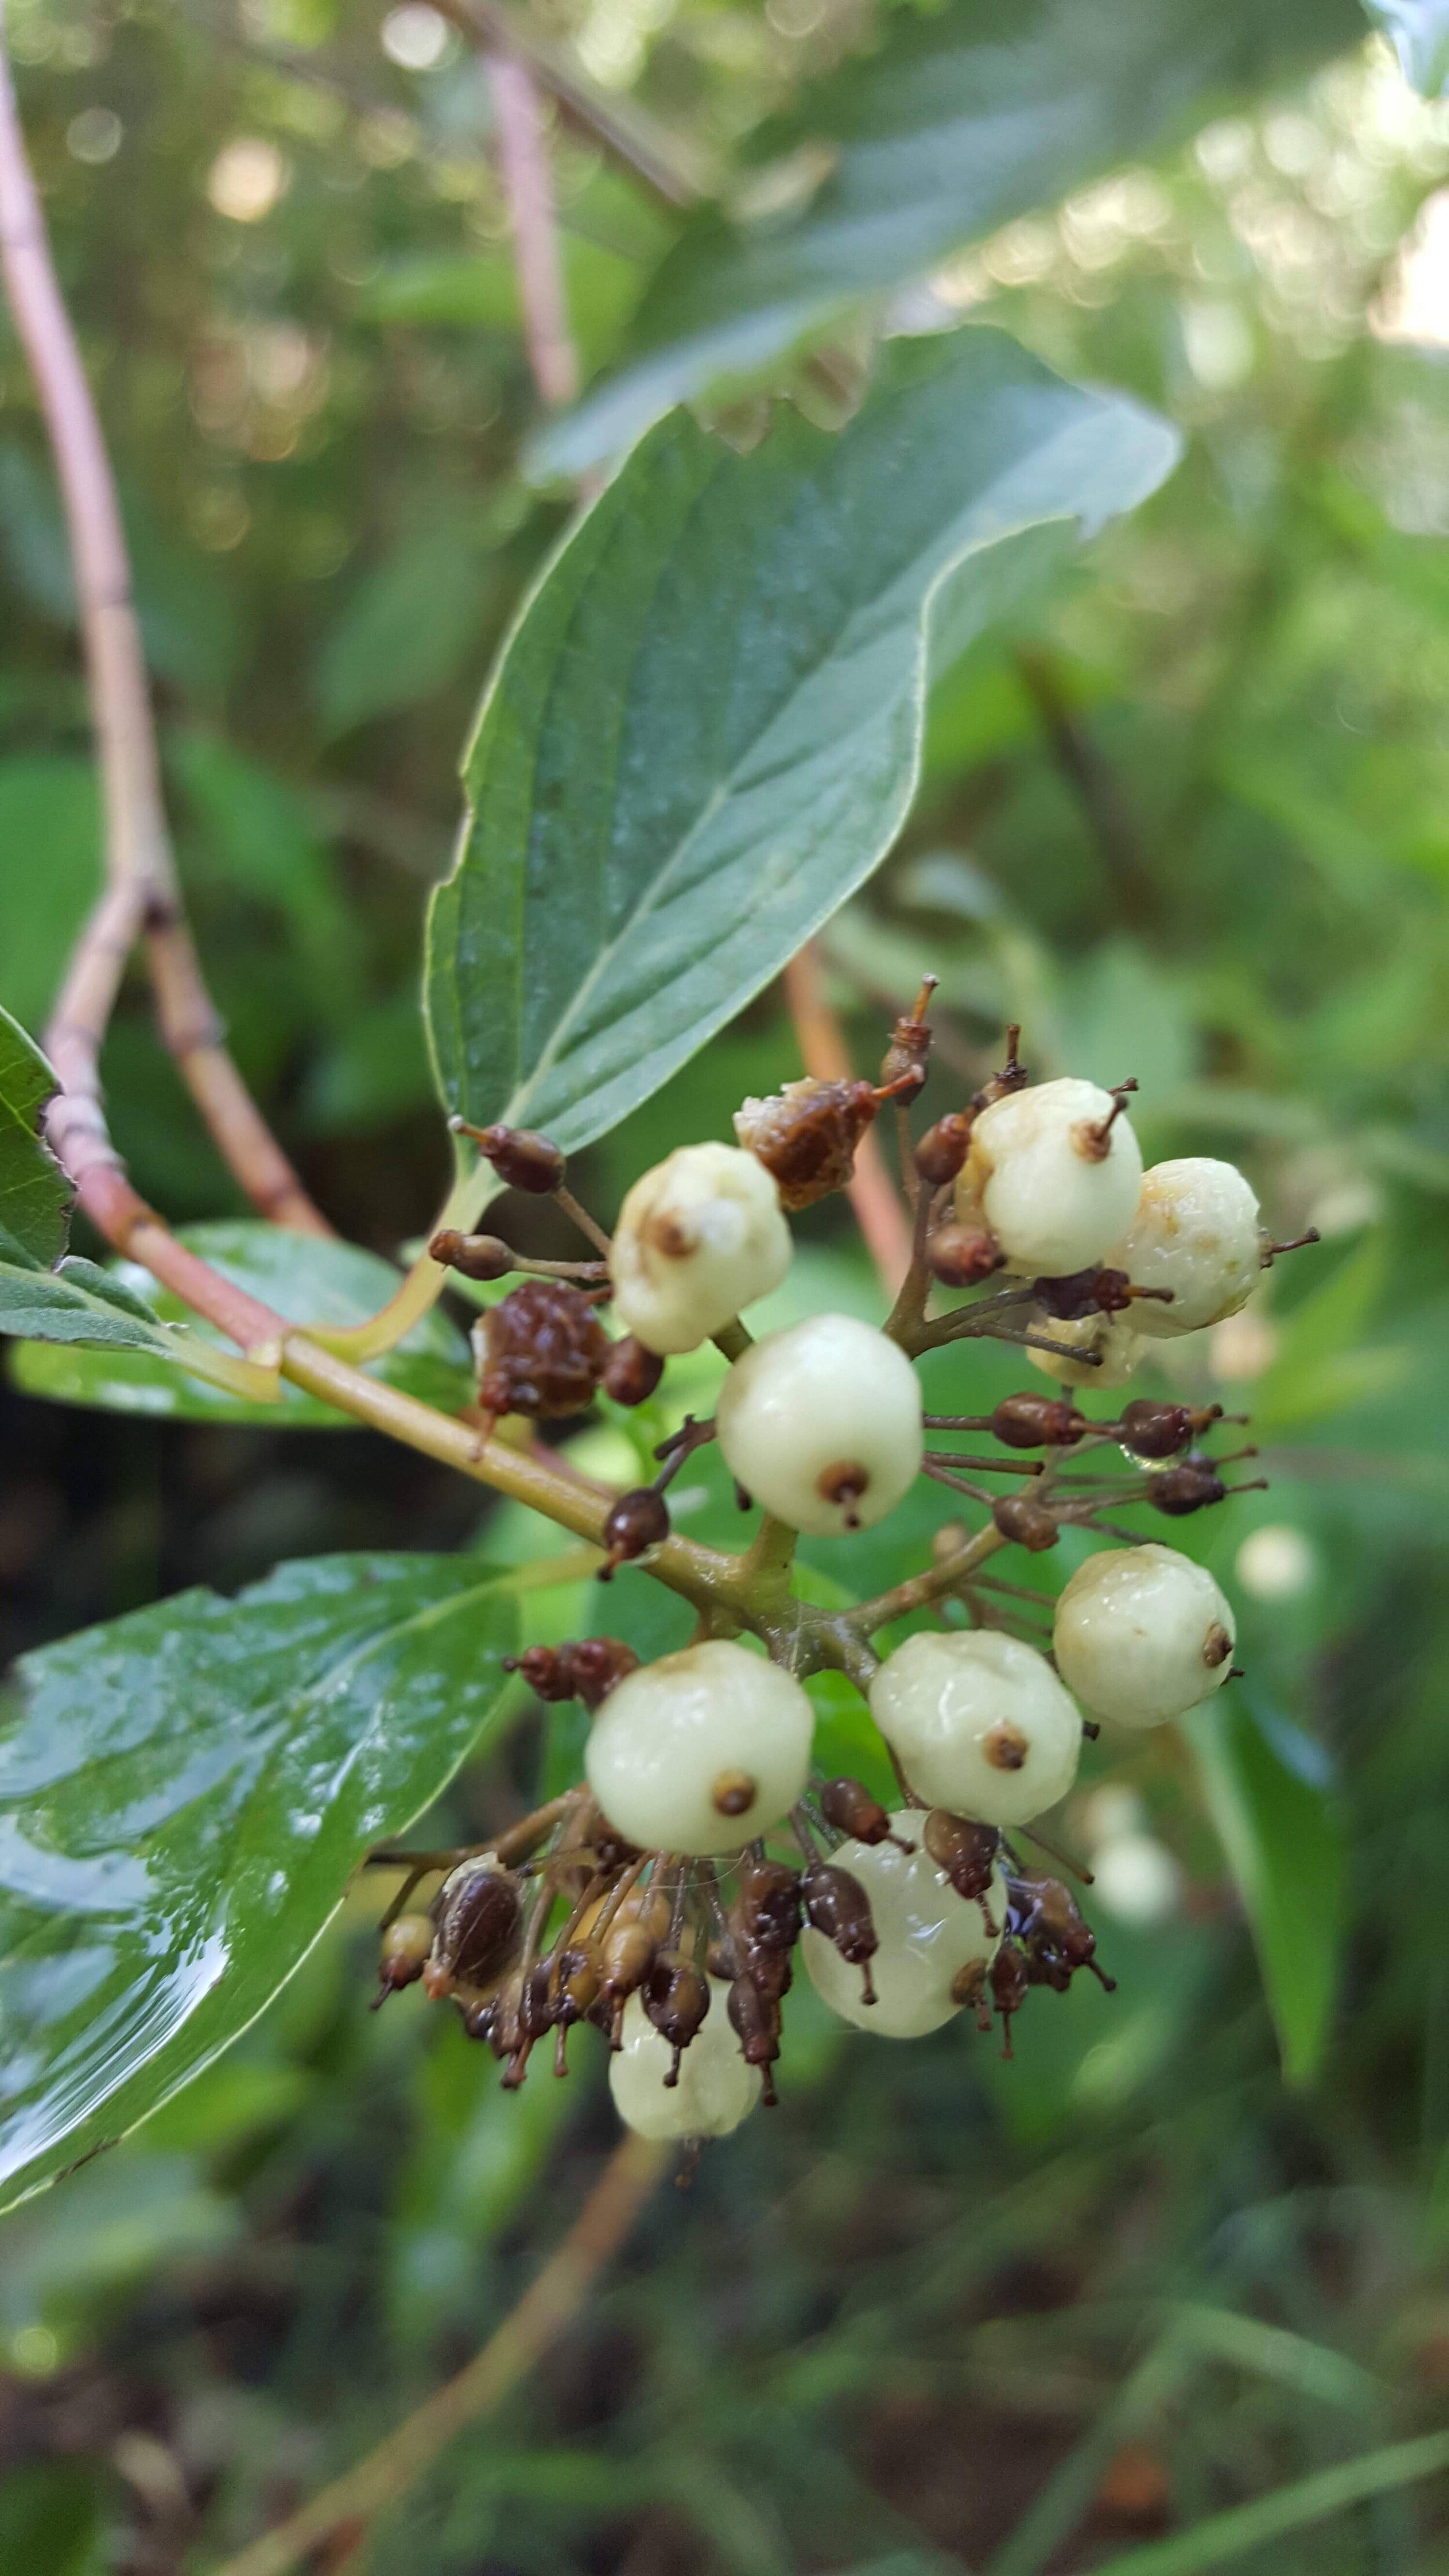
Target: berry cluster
[664,1899]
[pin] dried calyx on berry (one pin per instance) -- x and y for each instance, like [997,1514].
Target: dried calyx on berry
[906,1060]
[541,1351]
[979,1723]
[1142,1634]
[806,1135]
[587,1671]
[1054,1172]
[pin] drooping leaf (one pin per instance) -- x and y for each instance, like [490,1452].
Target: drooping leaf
[1418,30]
[961,119]
[304,1276]
[705,731]
[58,1300]
[182,1799]
[1270,1793]
[34,1195]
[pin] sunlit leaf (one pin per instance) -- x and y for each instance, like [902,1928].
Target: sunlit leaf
[706,728]
[182,1799]
[960,119]
[1418,30]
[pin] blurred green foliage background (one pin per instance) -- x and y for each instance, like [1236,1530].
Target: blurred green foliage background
[1187,820]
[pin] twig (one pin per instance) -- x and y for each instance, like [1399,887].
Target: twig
[662,160]
[879,1214]
[541,2316]
[528,186]
[141,887]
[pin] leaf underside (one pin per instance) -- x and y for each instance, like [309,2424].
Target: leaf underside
[182,1798]
[960,120]
[706,729]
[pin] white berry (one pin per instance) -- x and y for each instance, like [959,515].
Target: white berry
[979,1723]
[1111,1349]
[1196,1231]
[715,2091]
[1055,1183]
[930,1938]
[700,1751]
[698,1237]
[1142,1634]
[822,1424]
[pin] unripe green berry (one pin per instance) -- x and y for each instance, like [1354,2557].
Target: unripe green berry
[1055,1171]
[698,1238]
[1142,1634]
[822,1424]
[1111,1349]
[979,1723]
[926,1937]
[702,1751]
[1196,1231]
[715,2089]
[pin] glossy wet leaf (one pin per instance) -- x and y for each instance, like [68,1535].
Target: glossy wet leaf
[302,1275]
[706,729]
[62,1300]
[1418,30]
[1271,1796]
[183,1795]
[34,1195]
[959,120]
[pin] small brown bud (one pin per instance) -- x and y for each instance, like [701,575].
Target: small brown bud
[1180,1490]
[962,1255]
[598,1665]
[850,1808]
[1025,1523]
[477,1922]
[1151,1429]
[767,1908]
[636,1522]
[1037,1422]
[1084,1292]
[631,1373]
[755,2019]
[964,1850]
[910,1047]
[403,1952]
[806,1135]
[943,1148]
[542,1349]
[837,1905]
[477,1256]
[520,1157]
[1012,1077]
[676,1998]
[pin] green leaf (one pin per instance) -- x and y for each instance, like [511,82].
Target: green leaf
[706,729]
[50,833]
[408,627]
[34,1193]
[1270,1795]
[305,1276]
[962,118]
[182,1799]
[1229,2535]
[1418,30]
[72,1301]
[49,2518]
